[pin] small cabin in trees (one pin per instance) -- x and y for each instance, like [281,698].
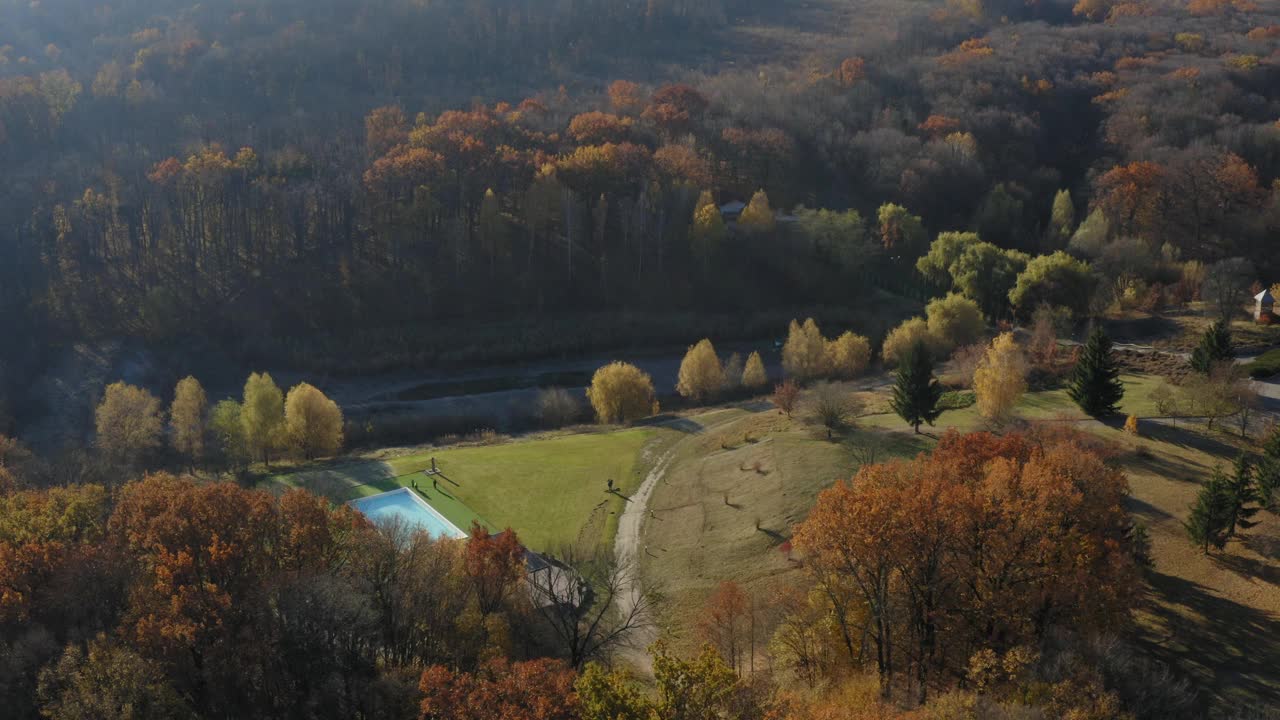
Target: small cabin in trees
[1264,306]
[732,210]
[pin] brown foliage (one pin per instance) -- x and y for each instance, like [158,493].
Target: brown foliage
[785,395]
[534,690]
[987,542]
[494,564]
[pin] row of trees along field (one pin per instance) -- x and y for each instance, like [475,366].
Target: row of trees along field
[984,575]
[293,187]
[133,429]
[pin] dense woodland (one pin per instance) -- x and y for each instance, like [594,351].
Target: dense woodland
[363,185]
[357,185]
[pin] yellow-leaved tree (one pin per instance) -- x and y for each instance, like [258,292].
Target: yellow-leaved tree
[1000,379]
[904,337]
[186,419]
[708,231]
[804,354]
[754,374]
[262,416]
[847,356]
[314,422]
[701,375]
[128,422]
[757,216]
[953,321]
[621,392]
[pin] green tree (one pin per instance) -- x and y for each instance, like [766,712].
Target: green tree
[916,391]
[609,695]
[1210,517]
[840,236]
[692,690]
[999,217]
[1268,470]
[954,320]
[186,419]
[1056,279]
[1243,494]
[1095,380]
[228,434]
[757,216]
[986,274]
[946,249]
[1062,220]
[262,416]
[1090,239]
[1215,346]
[708,231]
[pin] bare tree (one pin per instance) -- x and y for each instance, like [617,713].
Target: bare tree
[833,407]
[1244,395]
[589,603]
[1226,286]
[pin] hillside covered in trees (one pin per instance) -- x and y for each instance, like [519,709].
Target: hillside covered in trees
[360,184]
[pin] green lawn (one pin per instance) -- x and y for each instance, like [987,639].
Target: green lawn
[1042,405]
[550,490]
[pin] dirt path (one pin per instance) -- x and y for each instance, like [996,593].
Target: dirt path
[628,544]
[627,549]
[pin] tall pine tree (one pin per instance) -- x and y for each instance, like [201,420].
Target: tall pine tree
[1268,470]
[1244,496]
[1095,381]
[1210,518]
[1215,347]
[916,392]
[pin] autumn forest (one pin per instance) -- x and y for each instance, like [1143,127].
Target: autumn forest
[340,190]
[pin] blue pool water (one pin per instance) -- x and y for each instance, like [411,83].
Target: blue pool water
[405,506]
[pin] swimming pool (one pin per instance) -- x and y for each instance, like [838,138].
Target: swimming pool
[405,506]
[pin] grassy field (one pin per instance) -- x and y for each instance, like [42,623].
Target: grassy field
[1046,405]
[551,489]
[730,498]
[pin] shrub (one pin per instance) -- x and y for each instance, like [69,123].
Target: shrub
[621,392]
[785,395]
[957,400]
[1131,425]
[557,408]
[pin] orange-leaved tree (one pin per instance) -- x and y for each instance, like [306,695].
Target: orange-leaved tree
[533,690]
[988,542]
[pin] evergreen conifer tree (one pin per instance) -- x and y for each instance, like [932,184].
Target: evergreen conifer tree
[916,391]
[1268,470]
[1215,347]
[1210,517]
[1095,381]
[1244,496]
